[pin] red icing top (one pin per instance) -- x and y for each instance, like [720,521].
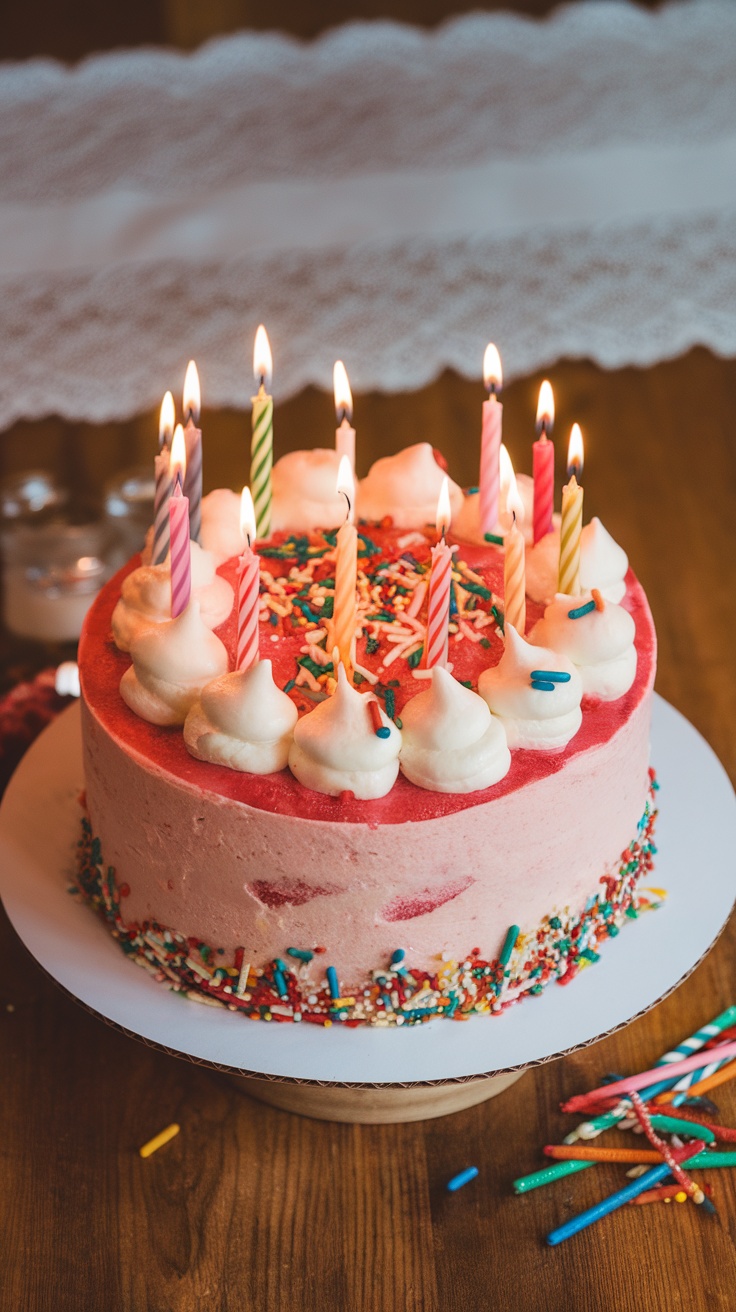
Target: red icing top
[102,666]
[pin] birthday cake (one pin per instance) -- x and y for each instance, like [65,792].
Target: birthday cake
[355,834]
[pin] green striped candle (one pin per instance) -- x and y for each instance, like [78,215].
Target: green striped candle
[261,449]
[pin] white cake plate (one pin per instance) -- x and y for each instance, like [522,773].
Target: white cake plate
[696,840]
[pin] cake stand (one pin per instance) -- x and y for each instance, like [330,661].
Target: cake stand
[374,1075]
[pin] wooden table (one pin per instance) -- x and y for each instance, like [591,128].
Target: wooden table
[251,1209]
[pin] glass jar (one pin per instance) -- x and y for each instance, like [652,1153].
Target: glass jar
[51,575]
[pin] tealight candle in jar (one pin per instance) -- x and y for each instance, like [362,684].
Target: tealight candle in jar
[51,576]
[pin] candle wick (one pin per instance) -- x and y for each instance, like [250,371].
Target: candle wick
[344,494]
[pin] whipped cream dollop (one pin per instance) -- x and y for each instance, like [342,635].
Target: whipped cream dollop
[541,719]
[406,487]
[600,643]
[304,492]
[336,746]
[242,720]
[450,741]
[220,531]
[145,597]
[466,525]
[172,662]
[603,563]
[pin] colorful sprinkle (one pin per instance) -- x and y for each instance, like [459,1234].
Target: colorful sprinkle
[159,1140]
[464,1177]
[579,611]
[552,676]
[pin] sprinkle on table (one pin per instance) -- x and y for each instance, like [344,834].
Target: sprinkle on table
[464,1177]
[159,1140]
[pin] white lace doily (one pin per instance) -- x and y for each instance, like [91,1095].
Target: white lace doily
[390,196]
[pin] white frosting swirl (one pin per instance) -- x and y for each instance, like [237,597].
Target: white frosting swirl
[336,748]
[532,717]
[603,563]
[304,495]
[172,662]
[242,720]
[466,526]
[406,487]
[600,644]
[145,597]
[220,532]
[450,741]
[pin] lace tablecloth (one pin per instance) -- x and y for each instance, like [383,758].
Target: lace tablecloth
[391,196]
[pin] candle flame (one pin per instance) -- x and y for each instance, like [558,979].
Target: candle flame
[575,453]
[492,371]
[167,419]
[545,409]
[343,395]
[247,516]
[178,456]
[262,358]
[444,510]
[511,502]
[192,400]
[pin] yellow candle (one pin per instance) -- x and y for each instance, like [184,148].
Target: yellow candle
[514,565]
[261,449]
[346,570]
[572,518]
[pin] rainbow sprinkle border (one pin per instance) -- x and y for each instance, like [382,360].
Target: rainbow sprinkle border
[396,994]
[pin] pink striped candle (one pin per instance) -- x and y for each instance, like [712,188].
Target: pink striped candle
[544,464]
[440,580]
[490,441]
[193,439]
[249,579]
[181,562]
[344,608]
[160,546]
[514,568]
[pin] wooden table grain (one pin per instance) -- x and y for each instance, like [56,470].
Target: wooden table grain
[251,1208]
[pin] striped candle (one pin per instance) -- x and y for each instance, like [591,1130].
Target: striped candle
[440,581]
[261,449]
[572,518]
[346,570]
[490,478]
[514,565]
[181,564]
[345,434]
[544,464]
[193,438]
[160,546]
[249,578]
[696,1041]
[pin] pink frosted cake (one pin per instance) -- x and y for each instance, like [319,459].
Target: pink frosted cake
[387,846]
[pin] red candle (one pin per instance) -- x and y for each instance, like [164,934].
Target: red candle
[490,441]
[181,564]
[544,464]
[440,579]
[249,578]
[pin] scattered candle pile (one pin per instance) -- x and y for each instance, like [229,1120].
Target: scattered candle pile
[640,1102]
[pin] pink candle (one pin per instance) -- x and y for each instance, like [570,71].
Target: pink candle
[249,578]
[490,441]
[181,564]
[193,439]
[345,434]
[440,580]
[160,546]
[514,568]
[544,464]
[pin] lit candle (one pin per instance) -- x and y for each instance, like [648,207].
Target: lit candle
[181,565]
[490,441]
[345,435]
[572,517]
[346,570]
[544,464]
[193,438]
[440,579]
[249,578]
[261,447]
[160,548]
[514,565]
